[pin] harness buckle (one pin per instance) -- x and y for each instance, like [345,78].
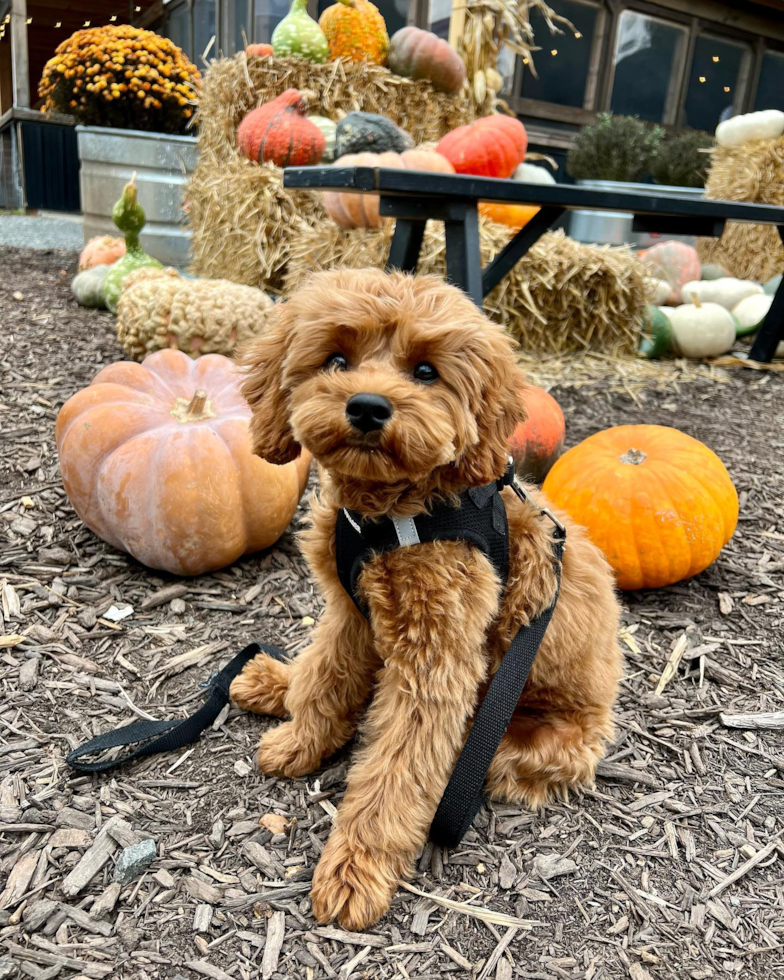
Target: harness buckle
[526,498]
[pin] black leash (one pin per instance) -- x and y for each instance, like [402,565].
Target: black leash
[173,734]
[464,793]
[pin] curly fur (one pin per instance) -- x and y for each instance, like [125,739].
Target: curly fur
[438,627]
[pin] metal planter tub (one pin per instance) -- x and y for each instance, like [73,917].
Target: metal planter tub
[615,227]
[162,163]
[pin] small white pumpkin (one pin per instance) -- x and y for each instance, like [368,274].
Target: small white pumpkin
[656,290]
[727,292]
[329,129]
[702,329]
[751,311]
[767,124]
[667,310]
[530,173]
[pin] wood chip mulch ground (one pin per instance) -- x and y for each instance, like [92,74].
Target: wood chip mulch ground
[673,867]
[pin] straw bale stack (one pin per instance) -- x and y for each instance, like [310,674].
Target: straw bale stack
[752,172]
[242,219]
[562,296]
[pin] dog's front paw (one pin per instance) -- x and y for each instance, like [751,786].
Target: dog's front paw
[262,686]
[354,886]
[282,752]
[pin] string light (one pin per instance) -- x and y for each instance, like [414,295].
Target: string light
[702,78]
[726,88]
[578,35]
[29,20]
[554,52]
[525,61]
[113,18]
[137,9]
[87,23]
[716,59]
[58,24]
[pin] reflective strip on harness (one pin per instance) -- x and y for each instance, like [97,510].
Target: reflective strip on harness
[406,531]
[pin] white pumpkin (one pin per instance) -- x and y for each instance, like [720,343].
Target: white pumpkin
[767,124]
[529,173]
[751,311]
[87,287]
[656,290]
[667,310]
[727,292]
[702,329]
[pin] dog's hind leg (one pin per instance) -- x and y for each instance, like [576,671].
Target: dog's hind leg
[545,754]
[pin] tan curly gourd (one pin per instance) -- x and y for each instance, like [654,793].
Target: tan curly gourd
[159,309]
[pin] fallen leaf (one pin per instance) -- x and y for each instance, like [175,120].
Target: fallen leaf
[552,865]
[275,823]
[10,640]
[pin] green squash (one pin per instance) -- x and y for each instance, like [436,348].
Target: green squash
[87,287]
[368,132]
[656,332]
[329,129]
[129,217]
[772,285]
[299,36]
[713,272]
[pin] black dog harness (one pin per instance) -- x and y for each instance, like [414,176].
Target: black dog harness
[480,519]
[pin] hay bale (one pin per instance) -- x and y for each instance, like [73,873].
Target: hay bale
[752,172]
[562,296]
[242,219]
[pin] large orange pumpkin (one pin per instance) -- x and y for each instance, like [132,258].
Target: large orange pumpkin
[361,210]
[156,460]
[279,132]
[658,503]
[538,442]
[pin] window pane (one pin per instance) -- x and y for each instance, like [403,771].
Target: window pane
[241,24]
[203,28]
[714,80]
[440,12]
[394,12]
[178,28]
[562,64]
[770,91]
[268,14]
[646,53]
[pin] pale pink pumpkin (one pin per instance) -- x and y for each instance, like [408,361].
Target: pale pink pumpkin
[156,460]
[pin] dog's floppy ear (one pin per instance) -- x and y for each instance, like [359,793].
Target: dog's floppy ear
[501,407]
[262,361]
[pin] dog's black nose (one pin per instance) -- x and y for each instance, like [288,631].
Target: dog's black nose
[368,412]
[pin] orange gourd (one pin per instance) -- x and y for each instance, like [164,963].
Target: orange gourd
[658,503]
[259,50]
[493,146]
[156,459]
[516,216]
[278,132]
[355,29]
[361,210]
[101,250]
[538,442]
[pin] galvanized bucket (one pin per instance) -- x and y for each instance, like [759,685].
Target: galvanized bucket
[615,227]
[162,164]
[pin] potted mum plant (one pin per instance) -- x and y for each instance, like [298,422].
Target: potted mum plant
[616,153]
[133,95]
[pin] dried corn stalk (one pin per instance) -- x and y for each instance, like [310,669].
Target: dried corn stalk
[490,26]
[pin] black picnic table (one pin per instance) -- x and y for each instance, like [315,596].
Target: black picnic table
[413,197]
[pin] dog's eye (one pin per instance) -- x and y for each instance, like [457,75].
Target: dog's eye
[425,373]
[336,362]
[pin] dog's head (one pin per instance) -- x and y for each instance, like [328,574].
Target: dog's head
[385,378]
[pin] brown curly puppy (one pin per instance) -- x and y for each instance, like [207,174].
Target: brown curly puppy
[437,629]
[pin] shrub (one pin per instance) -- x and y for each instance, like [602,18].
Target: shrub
[679,161]
[614,148]
[122,77]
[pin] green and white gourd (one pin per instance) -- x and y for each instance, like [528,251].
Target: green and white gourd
[727,292]
[87,287]
[750,314]
[299,36]
[329,129]
[129,217]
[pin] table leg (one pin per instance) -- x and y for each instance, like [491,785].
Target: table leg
[463,258]
[406,243]
[772,330]
[511,254]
